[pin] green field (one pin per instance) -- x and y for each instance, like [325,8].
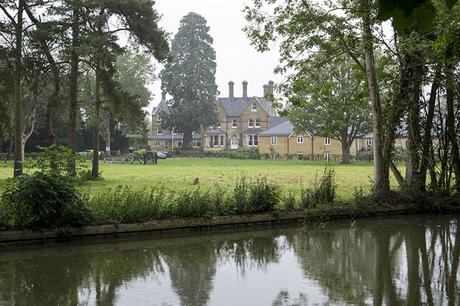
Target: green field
[181,173]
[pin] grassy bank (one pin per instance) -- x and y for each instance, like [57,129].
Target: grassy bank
[182,173]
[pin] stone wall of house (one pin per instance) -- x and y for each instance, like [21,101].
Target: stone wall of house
[266,148]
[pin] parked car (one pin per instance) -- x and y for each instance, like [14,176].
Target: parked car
[162,155]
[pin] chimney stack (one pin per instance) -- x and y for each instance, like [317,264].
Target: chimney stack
[245,89]
[231,86]
[270,86]
[266,90]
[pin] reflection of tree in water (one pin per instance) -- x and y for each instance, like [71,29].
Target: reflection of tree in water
[37,280]
[257,251]
[354,264]
[283,299]
[111,270]
[53,279]
[192,268]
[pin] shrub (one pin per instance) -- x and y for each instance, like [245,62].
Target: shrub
[358,193]
[255,196]
[244,153]
[289,201]
[44,200]
[323,192]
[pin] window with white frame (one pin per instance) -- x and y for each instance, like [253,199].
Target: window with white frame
[222,140]
[159,131]
[216,141]
[327,141]
[274,140]
[327,157]
[253,140]
[254,107]
[257,123]
[196,143]
[300,139]
[234,124]
[158,116]
[370,142]
[250,123]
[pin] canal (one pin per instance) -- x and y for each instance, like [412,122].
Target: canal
[382,261]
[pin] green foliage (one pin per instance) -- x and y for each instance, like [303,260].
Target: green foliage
[410,12]
[193,58]
[358,194]
[289,202]
[245,153]
[322,192]
[53,160]
[44,200]
[255,196]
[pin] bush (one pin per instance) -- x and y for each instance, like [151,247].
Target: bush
[289,202]
[365,155]
[44,200]
[256,196]
[244,153]
[323,192]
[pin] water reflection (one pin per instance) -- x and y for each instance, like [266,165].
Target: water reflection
[397,261]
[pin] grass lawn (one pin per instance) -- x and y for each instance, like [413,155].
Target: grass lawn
[181,173]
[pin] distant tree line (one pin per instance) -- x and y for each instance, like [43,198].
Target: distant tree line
[65,75]
[410,71]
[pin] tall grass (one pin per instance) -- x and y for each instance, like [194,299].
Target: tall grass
[125,204]
[322,192]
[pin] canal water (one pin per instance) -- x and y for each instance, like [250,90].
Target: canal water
[389,261]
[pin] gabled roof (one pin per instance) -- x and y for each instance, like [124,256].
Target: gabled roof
[234,107]
[285,128]
[163,106]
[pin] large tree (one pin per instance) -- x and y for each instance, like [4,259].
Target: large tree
[329,98]
[190,78]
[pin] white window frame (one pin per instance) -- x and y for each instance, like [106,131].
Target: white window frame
[159,131]
[234,123]
[327,141]
[274,140]
[370,142]
[256,140]
[250,123]
[328,156]
[299,139]
[254,107]
[257,123]
[158,117]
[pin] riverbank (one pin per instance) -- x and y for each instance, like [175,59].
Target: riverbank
[181,227]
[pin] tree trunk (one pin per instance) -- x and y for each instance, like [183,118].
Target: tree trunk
[186,145]
[95,168]
[345,146]
[427,135]
[73,92]
[450,125]
[413,71]
[18,119]
[381,173]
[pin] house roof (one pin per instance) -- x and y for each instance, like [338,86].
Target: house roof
[234,107]
[215,131]
[274,121]
[282,129]
[163,106]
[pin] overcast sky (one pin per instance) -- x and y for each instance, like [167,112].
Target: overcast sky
[237,60]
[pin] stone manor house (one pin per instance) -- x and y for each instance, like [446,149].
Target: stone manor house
[251,122]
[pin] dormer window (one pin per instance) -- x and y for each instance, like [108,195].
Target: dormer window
[327,141]
[158,117]
[159,131]
[300,139]
[254,107]
[234,124]
[251,123]
[257,123]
